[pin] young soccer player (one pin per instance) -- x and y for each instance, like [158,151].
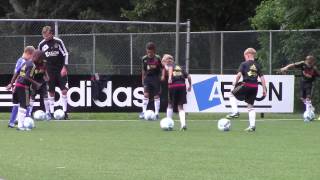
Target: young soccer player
[309,73]
[152,74]
[27,55]
[21,94]
[177,88]
[246,91]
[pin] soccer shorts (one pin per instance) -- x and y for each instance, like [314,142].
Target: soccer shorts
[21,96]
[245,93]
[42,91]
[177,96]
[306,89]
[55,80]
[152,85]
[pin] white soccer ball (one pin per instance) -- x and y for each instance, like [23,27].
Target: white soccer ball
[39,115]
[308,116]
[149,115]
[224,124]
[28,123]
[166,124]
[58,114]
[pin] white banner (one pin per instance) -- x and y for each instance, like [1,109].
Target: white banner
[210,93]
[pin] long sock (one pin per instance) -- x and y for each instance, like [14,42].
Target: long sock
[14,113]
[169,113]
[156,106]
[64,103]
[234,104]
[252,117]
[29,109]
[308,105]
[21,116]
[51,102]
[46,103]
[182,116]
[145,104]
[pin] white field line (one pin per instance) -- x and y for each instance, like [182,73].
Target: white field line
[135,120]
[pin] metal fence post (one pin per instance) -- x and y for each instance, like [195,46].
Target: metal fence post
[188,45]
[56,29]
[131,54]
[24,41]
[93,53]
[270,52]
[221,53]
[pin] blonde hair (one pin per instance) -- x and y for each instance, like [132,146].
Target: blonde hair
[29,49]
[250,51]
[167,57]
[311,58]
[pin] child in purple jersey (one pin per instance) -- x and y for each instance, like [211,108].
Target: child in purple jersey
[27,55]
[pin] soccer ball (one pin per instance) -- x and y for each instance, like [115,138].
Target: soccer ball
[149,115]
[28,123]
[224,124]
[39,115]
[58,114]
[308,116]
[166,124]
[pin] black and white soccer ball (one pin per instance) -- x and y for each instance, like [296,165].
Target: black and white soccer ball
[224,124]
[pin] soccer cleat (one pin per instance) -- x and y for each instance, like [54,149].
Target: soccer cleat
[11,125]
[184,128]
[157,117]
[48,116]
[233,115]
[250,129]
[66,117]
[141,115]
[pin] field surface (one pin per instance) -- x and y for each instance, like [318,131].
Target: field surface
[112,146]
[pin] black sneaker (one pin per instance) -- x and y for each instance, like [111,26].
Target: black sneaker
[251,129]
[66,117]
[184,128]
[233,115]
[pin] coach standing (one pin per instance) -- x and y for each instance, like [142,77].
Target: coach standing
[57,60]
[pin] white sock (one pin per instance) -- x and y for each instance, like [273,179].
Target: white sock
[145,104]
[169,113]
[156,106]
[252,117]
[30,108]
[64,103]
[51,103]
[182,116]
[308,105]
[234,104]
[21,116]
[46,103]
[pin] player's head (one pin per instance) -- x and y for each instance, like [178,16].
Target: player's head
[249,54]
[310,60]
[28,52]
[167,59]
[47,32]
[150,49]
[38,57]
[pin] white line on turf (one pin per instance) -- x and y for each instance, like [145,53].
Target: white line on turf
[135,120]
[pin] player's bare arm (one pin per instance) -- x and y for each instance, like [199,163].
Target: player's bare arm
[190,83]
[263,82]
[238,76]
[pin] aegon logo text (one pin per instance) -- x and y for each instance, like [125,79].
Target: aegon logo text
[129,96]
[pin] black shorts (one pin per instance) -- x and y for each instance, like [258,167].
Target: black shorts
[152,85]
[245,93]
[42,91]
[55,80]
[306,89]
[177,96]
[21,96]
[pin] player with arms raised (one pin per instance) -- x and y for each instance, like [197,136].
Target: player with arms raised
[247,90]
[152,71]
[177,89]
[56,62]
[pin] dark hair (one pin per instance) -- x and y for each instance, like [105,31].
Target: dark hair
[311,58]
[48,28]
[150,46]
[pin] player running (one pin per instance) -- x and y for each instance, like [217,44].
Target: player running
[247,90]
[26,56]
[177,89]
[56,61]
[21,93]
[309,73]
[152,70]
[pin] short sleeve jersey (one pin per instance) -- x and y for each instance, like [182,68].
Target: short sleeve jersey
[27,70]
[250,71]
[152,66]
[309,73]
